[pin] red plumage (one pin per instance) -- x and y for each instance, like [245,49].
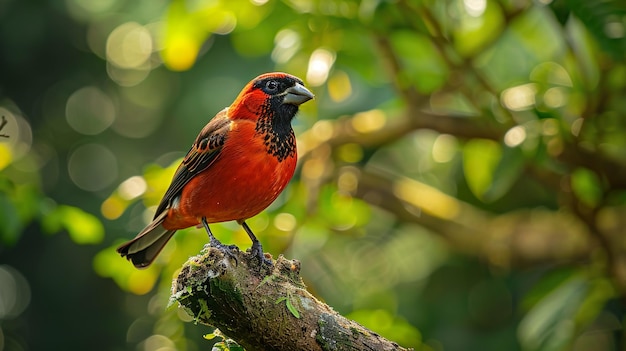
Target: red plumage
[239,164]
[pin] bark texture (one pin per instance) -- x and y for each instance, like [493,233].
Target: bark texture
[265,308]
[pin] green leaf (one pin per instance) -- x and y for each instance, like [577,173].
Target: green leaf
[549,282]
[279,300]
[605,21]
[220,346]
[289,305]
[601,290]
[83,227]
[507,171]
[255,42]
[211,336]
[550,324]
[422,66]
[587,186]
[108,263]
[9,217]
[233,346]
[292,309]
[342,211]
[474,33]
[480,160]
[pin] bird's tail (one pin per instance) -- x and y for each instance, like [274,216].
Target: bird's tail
[144,248]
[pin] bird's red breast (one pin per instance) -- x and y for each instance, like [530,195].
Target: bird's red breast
[243,180]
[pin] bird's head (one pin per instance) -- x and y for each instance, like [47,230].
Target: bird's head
[272,94]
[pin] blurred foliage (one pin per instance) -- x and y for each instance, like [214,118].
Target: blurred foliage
[461,182]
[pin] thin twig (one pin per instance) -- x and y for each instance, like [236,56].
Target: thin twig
[2,125]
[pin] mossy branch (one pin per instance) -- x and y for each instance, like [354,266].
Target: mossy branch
[265,308]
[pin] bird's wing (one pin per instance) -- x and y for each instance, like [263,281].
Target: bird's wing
[202,154]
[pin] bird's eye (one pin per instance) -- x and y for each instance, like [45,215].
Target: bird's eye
[272,86]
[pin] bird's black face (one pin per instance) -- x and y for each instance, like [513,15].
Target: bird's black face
[286,90]
[274,86]
[284,94]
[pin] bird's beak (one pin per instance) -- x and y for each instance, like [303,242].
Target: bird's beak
[297,95]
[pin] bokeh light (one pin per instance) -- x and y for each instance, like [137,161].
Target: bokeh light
[98,33]
[515,136]
[555,97]
[369,121]
[180,53]
[614,29]
[348,179]
[92,167]
[351,152]
[129,45]
[576,126]
[552,73]
[550,127]
[285,221]
[339,86]
[85,9]
[444,148]
[89,111]
[18,136]
[520,98]
[132,187]
[138,122]
[322,130]
[227,23]
[286,45]
[475,8]
[320,63]
[128,77]
[158,343]
[14,293]
[426,198]
[129,49]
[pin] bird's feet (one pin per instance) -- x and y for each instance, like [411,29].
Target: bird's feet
[257,250]
[228,250]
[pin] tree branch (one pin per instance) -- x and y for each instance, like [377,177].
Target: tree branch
[516,239]
[342,131]
[265,310]
[3,124]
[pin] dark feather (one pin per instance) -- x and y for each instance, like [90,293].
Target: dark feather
[144,248]
[202,154]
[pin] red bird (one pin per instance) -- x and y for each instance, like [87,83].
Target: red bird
[239,164]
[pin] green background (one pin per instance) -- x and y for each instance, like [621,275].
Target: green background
[461,181]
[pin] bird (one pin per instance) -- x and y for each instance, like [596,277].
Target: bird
[243,158]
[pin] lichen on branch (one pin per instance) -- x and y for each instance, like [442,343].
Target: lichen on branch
[263,307]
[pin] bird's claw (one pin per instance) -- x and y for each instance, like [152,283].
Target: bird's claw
[257,250]
[213,242]
[228,250]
